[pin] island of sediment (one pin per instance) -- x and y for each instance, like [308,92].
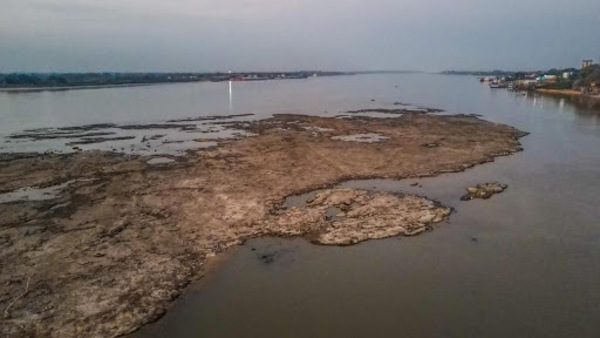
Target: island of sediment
[124,237]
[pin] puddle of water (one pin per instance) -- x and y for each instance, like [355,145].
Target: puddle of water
[317,129]
[302,199]
[334,214]
[362,138]
[160,160]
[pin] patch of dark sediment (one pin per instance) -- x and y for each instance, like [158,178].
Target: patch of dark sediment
[5,157]
[115,252]
[83,128]
[82,131]
[399,111]
[158,126]
[59,135]
[91,140]
[152,138]
[128,139]
[210,118]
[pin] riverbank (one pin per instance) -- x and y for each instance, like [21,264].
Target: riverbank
[578,99]
[34,82]
[63,88]
[124,238]
[570,92]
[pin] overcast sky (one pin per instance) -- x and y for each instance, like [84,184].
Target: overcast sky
[212,35]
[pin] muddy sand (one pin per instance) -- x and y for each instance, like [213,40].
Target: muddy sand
[110,251]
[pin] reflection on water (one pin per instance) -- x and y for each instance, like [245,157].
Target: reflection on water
[581,107]
[525,263]
[230,98]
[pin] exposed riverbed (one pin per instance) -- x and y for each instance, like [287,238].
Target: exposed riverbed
[121,247]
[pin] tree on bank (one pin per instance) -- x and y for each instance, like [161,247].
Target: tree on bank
[588,76]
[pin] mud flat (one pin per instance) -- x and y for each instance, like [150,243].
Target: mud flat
[172,137]
[122,240]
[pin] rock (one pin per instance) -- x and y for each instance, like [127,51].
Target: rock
[267,258]
[367,215]
[483,191]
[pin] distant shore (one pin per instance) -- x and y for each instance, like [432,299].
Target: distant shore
[559,91]
[574,96]
[53,89]
[568,92]
[35,82]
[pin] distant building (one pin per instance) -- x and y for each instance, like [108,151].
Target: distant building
[586,63]
[567,75]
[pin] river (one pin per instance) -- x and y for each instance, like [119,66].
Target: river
[525,263]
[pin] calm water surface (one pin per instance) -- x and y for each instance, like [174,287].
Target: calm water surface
[525,263]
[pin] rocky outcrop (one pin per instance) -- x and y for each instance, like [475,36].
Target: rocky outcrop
[346,217]
[484,190]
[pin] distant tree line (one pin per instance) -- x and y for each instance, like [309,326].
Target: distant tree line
[588,76]
[32,80]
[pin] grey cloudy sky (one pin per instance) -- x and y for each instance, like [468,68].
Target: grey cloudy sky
[211,35]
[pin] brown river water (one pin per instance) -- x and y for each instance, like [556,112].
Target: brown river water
[525,263]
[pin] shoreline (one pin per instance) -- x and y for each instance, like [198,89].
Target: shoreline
[56,89]
[142,84]
[569,92]
[578,99]
[109,255]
